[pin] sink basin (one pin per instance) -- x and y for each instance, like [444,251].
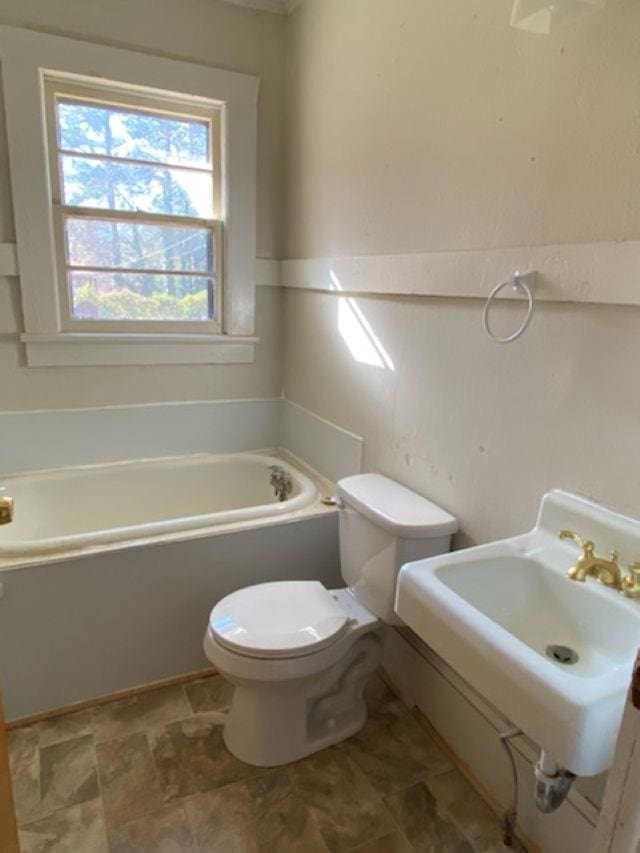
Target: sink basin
[554,655]
[539,607]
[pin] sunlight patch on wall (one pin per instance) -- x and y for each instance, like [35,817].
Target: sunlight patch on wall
[364,345]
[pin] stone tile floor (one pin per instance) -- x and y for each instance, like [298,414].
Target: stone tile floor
[151,773]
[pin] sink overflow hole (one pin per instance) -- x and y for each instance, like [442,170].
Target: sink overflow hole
[562,654]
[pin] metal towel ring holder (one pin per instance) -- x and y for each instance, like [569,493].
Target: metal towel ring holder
[526,283]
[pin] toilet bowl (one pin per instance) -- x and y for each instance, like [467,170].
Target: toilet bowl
[299,655]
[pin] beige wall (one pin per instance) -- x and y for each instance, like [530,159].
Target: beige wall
[420,125]
[424,125]
[206,31]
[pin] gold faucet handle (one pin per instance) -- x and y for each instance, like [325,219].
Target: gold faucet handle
[631,583]
[6,509]
[586,544]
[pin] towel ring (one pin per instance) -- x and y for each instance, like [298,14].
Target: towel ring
[527,287]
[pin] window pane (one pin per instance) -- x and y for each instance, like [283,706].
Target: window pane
[118,132]
[107,243]
[140,296]
[150,189]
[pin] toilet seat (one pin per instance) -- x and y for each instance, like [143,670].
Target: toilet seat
[283,619]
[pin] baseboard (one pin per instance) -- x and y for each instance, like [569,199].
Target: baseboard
[186,677]
[469,727]
[457,762]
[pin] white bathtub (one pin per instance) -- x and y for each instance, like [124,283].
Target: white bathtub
[78,508]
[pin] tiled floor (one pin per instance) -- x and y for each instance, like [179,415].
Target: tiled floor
[152,774]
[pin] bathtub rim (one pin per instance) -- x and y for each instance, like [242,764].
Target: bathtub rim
[315,508]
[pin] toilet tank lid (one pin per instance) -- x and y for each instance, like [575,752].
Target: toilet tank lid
[396,508]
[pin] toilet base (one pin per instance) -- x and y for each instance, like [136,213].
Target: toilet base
[271,724]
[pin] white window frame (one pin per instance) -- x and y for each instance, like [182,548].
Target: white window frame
[28,59]
[61,88]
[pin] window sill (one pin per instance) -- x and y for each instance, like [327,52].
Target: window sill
[77,349]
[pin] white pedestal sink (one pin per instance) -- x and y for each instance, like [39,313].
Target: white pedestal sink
[495,612]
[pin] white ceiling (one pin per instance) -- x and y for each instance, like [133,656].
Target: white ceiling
[278,7]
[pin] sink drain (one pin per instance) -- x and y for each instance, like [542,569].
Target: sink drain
[562,654]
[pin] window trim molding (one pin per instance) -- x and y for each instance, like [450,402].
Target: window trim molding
[211,113]
[71,349]
[27,56]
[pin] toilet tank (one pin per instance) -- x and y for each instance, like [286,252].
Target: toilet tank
[382,526]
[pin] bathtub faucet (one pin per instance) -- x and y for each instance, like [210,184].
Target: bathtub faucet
[281,481]
[6,509]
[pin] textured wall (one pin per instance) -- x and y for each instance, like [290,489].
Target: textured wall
[455,131]
[422,125]
[485,430]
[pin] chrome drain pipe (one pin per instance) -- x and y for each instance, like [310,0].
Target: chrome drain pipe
[552,783]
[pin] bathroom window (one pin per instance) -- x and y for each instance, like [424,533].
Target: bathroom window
[137,212]
[134,192]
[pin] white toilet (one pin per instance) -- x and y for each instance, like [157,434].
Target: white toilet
[298,654]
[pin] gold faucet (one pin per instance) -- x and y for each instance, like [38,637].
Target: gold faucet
[6,509]
[631,584]
[606,571]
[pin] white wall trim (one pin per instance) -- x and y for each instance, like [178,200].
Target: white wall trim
[601,272]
